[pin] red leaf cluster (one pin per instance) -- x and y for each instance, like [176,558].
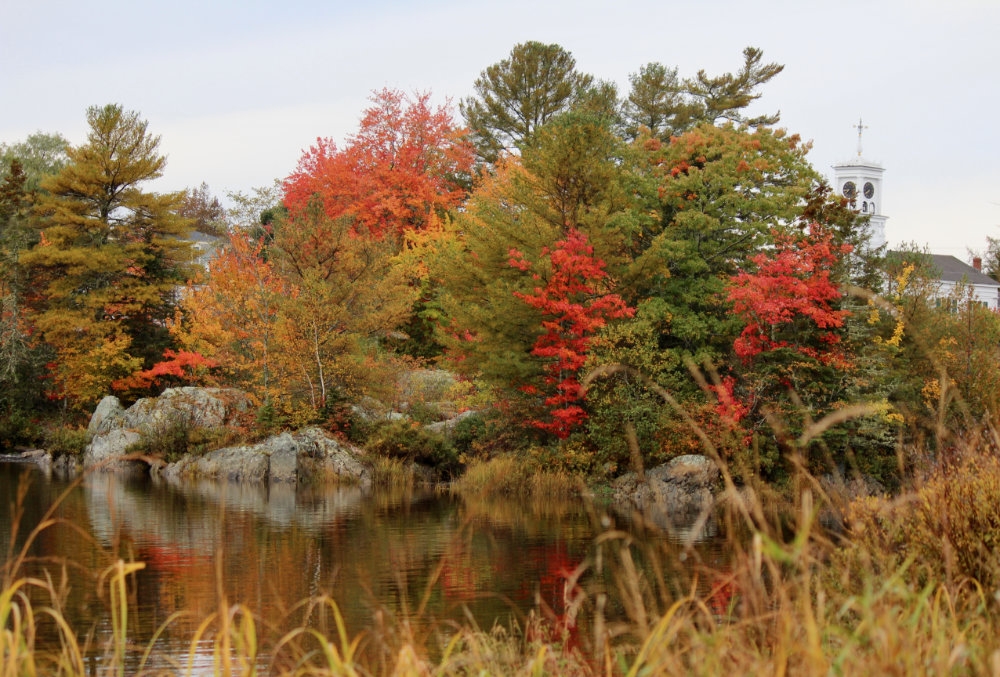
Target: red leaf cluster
[576,308]
[182,365]
[730,409]
[791,282]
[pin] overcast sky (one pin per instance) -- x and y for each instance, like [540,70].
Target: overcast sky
[238,89]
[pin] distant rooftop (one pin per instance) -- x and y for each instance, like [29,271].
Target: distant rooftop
[953,270]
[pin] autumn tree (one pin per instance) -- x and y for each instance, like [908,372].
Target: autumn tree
[21,357]
[110,259]
[798,361]
[707,200]
[40,155]
[720,193]
[519,94]
[573,295]
[405,167]
[203,210]
[347,290]
[963,339]
[230,316]
[786,301]
[573,177]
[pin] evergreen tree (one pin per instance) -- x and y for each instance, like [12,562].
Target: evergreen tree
[725,96]
[20,357]
[110,258]
[656,102]
[667,106]
[519,94]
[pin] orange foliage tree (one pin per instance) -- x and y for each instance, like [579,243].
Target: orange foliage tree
[346,288]
[231,316]
[408,162]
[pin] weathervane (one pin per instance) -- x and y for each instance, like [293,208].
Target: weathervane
[860,127]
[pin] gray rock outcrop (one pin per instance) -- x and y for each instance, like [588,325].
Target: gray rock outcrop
[679,489]
[114,430]
[310,453]
[197,407]
[447,426]
[106,417]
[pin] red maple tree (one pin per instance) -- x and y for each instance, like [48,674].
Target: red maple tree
[576,308]
[791,286]
[402,168]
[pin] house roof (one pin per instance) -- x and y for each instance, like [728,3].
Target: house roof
[953,270]
[195,236]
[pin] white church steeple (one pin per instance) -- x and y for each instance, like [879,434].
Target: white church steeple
[860,181]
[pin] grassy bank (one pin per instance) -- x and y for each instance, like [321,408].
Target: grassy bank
[910,586]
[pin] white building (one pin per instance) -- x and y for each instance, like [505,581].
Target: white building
[860,181]
[953,272]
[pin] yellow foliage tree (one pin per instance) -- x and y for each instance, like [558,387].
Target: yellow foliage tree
[110,260]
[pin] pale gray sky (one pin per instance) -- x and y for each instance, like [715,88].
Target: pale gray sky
[238,89]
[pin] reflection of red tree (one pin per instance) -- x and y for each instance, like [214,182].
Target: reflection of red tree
[556,588]
[173,559]
[459,581]
[720,598]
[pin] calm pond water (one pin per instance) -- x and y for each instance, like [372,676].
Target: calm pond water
[268,547]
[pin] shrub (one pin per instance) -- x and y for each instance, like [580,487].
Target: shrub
[65,441]
[177,438]
[574,456]
[169,441]
[469,433]
[17,427]
[510,475]
[409,441]
[424,413]
[950,526]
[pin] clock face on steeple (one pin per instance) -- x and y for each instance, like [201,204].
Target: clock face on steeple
[850,190]
[869,190]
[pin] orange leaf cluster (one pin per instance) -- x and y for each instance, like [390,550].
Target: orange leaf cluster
[400,169]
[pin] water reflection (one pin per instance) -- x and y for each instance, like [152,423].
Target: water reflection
[406,554]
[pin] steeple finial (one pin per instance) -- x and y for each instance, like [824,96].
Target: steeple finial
[860,127]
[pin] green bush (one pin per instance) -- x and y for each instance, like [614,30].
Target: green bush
[65,441]
[17,427]
[470,432]
[409,441]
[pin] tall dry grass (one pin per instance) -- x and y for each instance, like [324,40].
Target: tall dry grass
[910,587]
[910,584]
